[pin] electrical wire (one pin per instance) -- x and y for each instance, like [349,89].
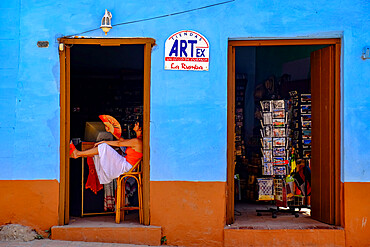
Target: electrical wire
[158,17]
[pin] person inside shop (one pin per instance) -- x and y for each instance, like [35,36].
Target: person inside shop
[110,163]
[266,90]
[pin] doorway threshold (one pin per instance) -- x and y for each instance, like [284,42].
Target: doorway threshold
[285,230]
[246,218]
[104,229]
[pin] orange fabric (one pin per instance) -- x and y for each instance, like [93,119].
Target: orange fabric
[71,148]
[92,180]
[132,156]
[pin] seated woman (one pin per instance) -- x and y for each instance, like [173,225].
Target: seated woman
[109,164]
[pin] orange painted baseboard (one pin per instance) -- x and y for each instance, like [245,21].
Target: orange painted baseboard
[190,213]
[357,213]
[141,235]
[32,203]
[284,237]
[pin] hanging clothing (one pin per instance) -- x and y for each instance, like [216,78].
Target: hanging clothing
[109,196]
[303,180]
[92,181]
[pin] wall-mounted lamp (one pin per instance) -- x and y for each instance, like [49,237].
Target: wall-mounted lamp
[366,52]
[106,22]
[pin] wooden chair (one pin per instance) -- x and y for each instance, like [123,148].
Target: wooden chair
[136,173]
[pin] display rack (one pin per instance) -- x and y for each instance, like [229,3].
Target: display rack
[240,87]
[285,135]
[241,82]
[274,145]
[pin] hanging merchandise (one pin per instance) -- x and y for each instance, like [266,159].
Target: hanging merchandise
[280,193]
[265,189]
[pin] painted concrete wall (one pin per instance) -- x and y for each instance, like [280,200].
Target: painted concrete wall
[188,109]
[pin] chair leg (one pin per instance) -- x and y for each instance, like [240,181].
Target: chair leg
[140,195]
[123,200]
[118,203]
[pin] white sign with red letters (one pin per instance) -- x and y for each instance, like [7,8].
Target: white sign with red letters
[186,50]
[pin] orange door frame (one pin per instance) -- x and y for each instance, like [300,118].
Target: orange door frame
[64,57]
[338,187]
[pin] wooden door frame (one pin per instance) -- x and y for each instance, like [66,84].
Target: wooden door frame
[64,57]
[336,42]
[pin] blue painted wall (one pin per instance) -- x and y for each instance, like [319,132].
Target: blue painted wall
[188,109]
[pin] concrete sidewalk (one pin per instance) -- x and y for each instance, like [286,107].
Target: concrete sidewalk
[59,243]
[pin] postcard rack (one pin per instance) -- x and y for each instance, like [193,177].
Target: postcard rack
[285,136]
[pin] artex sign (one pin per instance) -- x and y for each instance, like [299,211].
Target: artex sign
[186,50]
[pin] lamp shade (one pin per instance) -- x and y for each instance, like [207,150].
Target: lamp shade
[106,24]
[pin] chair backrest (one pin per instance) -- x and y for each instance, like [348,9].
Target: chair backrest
[137,166]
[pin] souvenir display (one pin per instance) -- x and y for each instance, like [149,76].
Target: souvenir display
[239,119]
[306,124]
[285,133]
[277,138]
[267,118]
[267,143]
[280,170]
[305,108]
[306,98]
[307,153]
[278,132]
[279,152]
[301,125]
[279,142]
[265,189]
[278,113]
[268,169]
[268,131]
[278,104]
[277,122]
[306,141]
[306,133]
[306,117]
[274,150]
[266,105]
[267,155]
[278,160]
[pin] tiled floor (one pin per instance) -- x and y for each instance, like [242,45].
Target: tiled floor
[246,218]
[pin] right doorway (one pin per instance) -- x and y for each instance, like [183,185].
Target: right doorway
[286,131]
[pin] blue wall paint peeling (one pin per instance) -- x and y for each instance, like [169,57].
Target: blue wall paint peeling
[188,109]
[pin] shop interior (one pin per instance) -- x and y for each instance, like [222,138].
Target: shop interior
[105,80]
[273,135]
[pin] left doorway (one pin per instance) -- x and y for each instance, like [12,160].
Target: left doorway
[95,77]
